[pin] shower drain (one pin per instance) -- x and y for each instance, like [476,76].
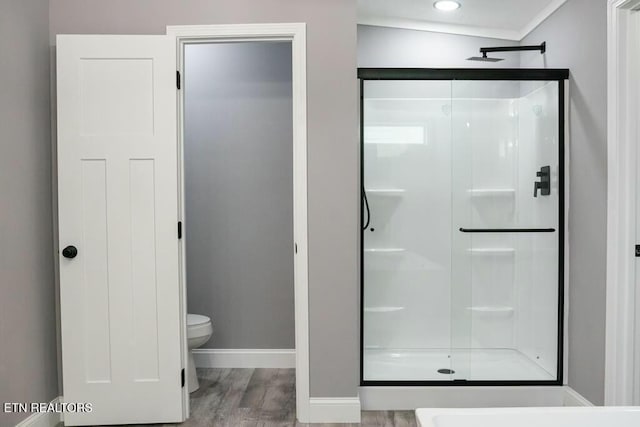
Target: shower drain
[446,371]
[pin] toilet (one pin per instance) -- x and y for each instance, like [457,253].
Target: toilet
[199,330]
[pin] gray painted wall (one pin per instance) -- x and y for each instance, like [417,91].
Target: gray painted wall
[394,47]
[28,370]
[333,152]
[576,36]
[239,191]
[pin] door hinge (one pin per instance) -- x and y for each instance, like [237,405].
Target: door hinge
[182,379]
[179,229]
[295,245]
[638,250]
[178,79]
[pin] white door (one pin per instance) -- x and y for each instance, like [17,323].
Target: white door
[118,206]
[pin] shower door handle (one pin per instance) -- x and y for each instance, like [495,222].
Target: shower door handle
[507,230]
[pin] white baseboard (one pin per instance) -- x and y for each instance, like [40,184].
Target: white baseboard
[573,398]
[334,410]
[42,419]
[244,358]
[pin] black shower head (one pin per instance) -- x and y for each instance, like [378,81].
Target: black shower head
[484,58]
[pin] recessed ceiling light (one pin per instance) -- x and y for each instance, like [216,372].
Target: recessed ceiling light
[446,5]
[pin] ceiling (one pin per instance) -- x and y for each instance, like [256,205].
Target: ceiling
[505,19]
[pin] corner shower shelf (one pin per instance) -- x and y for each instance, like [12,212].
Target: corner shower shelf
[385,251]
[386,192]
[492,251]
[382,309]
[492,310]
[492,192]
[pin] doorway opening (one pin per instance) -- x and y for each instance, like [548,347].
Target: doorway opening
[242,161]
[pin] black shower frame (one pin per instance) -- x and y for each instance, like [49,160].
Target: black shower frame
[507,74]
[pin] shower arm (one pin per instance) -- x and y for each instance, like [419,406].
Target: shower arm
[541,47]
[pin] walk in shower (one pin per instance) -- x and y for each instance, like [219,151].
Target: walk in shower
[463,223]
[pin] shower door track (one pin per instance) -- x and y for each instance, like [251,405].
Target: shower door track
[560,75]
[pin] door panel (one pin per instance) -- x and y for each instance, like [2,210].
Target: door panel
[118,204]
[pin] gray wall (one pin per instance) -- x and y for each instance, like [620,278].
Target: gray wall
[28,370]
[239,191]
[577,39]
[332,148]
[394,47]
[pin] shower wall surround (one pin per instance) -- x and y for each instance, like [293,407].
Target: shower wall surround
[461,263]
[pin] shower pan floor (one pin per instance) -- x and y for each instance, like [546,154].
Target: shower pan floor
[472,365]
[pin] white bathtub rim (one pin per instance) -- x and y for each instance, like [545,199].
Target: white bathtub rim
[425,416]
[526,409]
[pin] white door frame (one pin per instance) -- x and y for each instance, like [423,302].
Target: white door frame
[296,34]
[623,305]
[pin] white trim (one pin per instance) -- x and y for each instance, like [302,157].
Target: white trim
[296,33]
[465,30]
[573,398]
[182,247]
[43,419]
[334,410]
[437,27]
[621,206]
[244,358]
[409,398]
[567,231]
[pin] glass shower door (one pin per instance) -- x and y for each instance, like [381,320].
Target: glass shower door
[505,260]
[462,232]
[407,240]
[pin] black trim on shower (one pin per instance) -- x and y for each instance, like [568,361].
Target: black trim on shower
[525,74]
[561,217]
[545,74]
[507,230]
[361,299]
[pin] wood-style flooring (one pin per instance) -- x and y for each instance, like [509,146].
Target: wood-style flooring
[262,398]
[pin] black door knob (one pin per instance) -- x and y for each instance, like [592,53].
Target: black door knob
[70,252]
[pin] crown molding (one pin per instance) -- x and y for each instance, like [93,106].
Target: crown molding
[437,27]
[464,30]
